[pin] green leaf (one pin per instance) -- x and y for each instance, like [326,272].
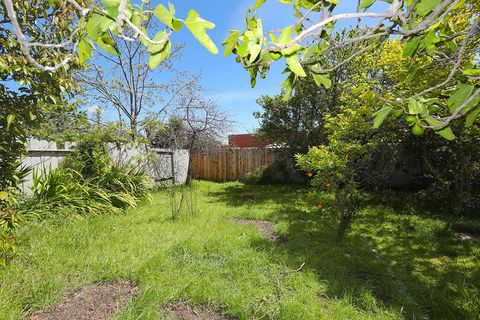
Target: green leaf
[136,19]
[254,52]
[425,6]
[410,77]
[365,4]
[253,76]
[3,195]
[463,92]
[295,66]
[155,48]
[31,116]
[231,42]
[293,49]
[258,4]
[273,37]
[112,12]
[111,2]
[471,72]
[381,115]
[470,119]
[97,24]
[164,15]
[106,43]
[167,17]
[177,25]
[285,36]
[157,58]
[416,107]
[198,27]
[287,86]
[93,26]
[430,40]
[410,47]
[322,79]
[446,132]
[84,50]
[10,119]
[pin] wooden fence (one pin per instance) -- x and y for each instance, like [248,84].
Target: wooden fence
[230,164]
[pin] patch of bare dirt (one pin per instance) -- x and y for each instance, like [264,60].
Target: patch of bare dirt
[266,227]
[96,301]
[183,311]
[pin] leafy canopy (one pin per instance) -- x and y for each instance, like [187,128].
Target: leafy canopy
[445,32]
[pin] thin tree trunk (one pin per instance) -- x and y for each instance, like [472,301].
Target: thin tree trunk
[190,150]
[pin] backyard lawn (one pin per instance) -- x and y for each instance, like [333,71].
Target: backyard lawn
[393,264]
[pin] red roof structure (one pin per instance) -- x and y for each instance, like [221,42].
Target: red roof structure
[245,141]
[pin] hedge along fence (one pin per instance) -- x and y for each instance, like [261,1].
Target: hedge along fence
[231,164]
[167,164]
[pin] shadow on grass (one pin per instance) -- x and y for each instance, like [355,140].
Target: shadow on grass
[412,264]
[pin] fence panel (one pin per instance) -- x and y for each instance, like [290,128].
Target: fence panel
[230,164]
[46,155]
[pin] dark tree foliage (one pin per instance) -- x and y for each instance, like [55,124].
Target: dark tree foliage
[298,123]
[24,89]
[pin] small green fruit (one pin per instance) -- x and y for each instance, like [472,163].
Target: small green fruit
[275,55]
[411,119]
[398,113]
[417,130]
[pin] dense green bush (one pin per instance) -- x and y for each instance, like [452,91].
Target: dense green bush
[88,182]
[454,168]
[258,176]
[271,174]
[64,191]
[10,220]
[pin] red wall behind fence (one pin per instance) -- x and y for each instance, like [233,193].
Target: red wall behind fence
[245,141]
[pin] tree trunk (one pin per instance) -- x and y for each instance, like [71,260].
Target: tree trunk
[347,210]
[189,170]
[345,222]
[133,129]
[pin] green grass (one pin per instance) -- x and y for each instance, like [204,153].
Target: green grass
[392,265]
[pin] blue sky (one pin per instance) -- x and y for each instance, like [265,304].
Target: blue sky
[226,80]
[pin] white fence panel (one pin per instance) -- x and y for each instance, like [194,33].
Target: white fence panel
[42,155]
[45,155]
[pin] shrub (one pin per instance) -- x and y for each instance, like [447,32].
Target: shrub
[88,182]
[10,220]
[258,176]
[334,167]
[62,192]
[277,172]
